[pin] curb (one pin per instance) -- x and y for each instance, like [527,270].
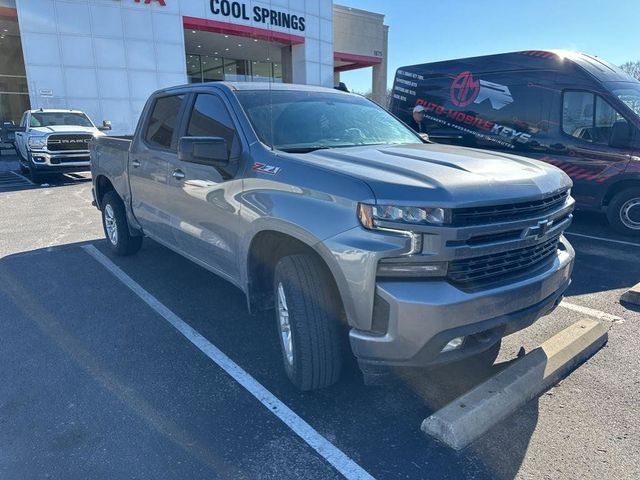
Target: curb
[632,296]
[468,417]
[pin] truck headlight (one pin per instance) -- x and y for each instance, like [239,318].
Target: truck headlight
[371,215]
[37,142]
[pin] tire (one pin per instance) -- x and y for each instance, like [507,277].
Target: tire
[307,307]
[623,212]
[116,227]
[35,176]
[24,164]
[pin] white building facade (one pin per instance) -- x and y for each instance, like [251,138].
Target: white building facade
[106,56]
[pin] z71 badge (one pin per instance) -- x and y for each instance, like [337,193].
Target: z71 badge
[264,168]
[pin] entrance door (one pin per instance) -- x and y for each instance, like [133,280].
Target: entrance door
[201,198]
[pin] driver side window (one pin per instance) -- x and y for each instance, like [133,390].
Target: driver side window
[589,117]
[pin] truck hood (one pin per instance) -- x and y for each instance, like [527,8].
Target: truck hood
[442,175]
[64,129]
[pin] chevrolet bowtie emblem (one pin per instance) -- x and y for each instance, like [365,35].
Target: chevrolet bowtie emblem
[539,231]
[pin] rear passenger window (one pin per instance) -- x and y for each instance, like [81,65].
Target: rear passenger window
[210,118]
[588,117]
[163,121]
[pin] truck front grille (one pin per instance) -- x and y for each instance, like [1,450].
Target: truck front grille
[489,268]
[510,211]
[61,143]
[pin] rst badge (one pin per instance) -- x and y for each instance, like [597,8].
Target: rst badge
[264,168]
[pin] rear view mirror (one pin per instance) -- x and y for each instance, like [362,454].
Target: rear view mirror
[620,136]
[106,126]
[204,150]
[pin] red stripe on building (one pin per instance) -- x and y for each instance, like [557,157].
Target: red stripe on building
[354,61]
[194,23]
[8,12]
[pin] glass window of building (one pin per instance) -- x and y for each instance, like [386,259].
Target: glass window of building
[14,93]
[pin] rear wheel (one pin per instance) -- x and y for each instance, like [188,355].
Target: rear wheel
[623,212]
[308,321]
[116,227]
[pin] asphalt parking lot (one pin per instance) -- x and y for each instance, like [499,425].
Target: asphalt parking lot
[97,384]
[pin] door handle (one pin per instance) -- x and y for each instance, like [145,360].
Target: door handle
[135,163]
[178,174]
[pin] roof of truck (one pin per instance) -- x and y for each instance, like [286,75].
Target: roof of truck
[261,86]
[55,110]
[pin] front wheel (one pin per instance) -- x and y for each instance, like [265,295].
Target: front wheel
[24,163]
[623,212]
[308,320]
[116,227]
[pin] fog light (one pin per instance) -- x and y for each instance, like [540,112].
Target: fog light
[453,344]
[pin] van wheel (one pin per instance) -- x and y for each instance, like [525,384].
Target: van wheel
[623,212]
[307,316]
[116,227]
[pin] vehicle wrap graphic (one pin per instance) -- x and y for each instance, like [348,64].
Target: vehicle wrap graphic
[465,89]
[474,124]
[578,173]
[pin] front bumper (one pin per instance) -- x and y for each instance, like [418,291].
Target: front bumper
[45,161]
[423,316]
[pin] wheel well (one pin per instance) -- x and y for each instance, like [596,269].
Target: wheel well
[618,187]
[266,249]
[103,185]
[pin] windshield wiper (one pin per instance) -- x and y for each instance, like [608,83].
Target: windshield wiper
[309,149]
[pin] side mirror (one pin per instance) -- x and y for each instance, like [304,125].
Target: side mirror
[204,150]
[620,136]
[425,137]
[106,126]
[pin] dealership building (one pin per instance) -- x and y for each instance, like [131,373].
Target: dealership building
[106,56]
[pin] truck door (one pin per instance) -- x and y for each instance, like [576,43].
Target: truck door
[585,148]
[149,167]
[201,197]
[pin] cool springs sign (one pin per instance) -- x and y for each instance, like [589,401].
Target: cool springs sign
[267,16]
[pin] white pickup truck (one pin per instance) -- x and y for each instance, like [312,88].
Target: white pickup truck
[55,141]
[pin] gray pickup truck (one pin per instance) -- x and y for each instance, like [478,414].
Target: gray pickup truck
[324,207]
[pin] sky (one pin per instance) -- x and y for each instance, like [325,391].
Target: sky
[429,30]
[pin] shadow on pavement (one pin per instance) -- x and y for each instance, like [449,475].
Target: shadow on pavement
[379,427]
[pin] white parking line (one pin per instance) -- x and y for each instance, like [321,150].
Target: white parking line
[603,239]
[332,454]
[591,312]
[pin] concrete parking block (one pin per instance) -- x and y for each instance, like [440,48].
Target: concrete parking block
[462,421]
[632,296]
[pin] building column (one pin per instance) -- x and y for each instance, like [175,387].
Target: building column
[287,67]
[336,78]
[379,74]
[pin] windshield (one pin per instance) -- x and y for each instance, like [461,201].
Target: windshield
[48,119]
[629,93]
[300,121]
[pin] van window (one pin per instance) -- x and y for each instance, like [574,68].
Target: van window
[588,117]
[210,118]
[163,121]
